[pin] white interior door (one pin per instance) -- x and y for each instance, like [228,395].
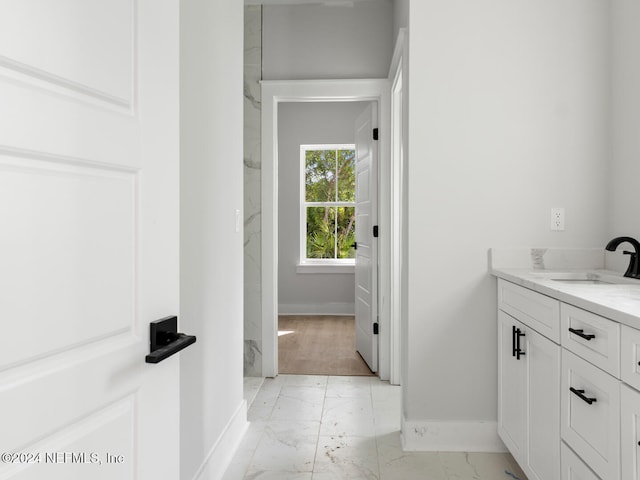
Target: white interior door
[366,254]
[89,238]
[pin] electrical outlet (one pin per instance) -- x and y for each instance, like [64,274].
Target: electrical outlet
[557,218]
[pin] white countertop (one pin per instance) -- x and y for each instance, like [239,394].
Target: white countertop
[535,268]
[619,302]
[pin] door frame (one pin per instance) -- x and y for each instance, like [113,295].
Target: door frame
[398,117]
[275,92]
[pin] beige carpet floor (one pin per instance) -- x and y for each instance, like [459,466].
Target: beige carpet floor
[319,345]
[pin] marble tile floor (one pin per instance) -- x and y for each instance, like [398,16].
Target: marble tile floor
[312,427]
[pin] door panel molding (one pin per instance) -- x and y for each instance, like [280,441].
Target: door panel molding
[103,61]
[78,446]
[86,296]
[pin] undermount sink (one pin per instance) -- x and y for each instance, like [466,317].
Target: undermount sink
[586,278]
[582,281]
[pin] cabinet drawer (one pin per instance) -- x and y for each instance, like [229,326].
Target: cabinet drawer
[630,356]
[594,338]
[592,430]
[573,468]
[630,433]
[538,311]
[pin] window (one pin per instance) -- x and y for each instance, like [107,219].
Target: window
[328,208]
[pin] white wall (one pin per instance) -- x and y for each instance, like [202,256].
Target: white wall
[400,16]
[508,117]
[625,166]
[316,41]
[213,413]
[299,124]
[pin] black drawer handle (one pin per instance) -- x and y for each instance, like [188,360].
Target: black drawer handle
[516,351]
[580,333]
[519,351]
[580,393]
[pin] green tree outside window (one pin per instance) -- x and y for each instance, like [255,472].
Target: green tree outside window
[329,202]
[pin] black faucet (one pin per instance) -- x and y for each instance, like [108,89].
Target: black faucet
[633,270]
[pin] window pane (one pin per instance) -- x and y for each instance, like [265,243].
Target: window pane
[346,232]
[321,239]
[347,175]
[320,168]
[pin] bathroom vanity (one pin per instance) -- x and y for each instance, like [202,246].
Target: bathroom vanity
[568,369]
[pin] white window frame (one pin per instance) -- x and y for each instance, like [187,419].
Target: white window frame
[319,265]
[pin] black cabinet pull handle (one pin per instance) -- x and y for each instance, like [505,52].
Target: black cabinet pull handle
[164,339]
[580,393]
[519,351]
[580,333]
[513,341]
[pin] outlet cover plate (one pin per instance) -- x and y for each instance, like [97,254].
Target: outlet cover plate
[557,219]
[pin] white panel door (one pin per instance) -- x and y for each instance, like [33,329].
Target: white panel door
[89,242]
[366,276]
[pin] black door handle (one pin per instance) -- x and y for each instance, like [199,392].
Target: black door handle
[580,393]
[580,333]
[164,339]
[519,351]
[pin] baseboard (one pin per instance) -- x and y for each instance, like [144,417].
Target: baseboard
[443,436]
[221,454]
[317,309]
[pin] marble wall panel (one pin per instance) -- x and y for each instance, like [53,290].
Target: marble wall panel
[252,192]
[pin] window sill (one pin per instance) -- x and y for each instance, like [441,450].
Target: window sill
[326,268]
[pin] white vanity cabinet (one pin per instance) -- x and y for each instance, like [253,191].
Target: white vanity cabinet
[630,433]
[590,390]
[568,388]
[630,403]
[590,414]
[592,337]
[630,356]
[529,380]
[573,467]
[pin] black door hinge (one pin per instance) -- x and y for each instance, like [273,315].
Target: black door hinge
[375,328]
[375,231]
[375,134]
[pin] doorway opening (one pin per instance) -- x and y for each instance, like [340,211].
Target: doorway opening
[319,345]
[275,94]
[320,194]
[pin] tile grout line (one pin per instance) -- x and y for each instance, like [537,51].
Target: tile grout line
[262,431]
[255,448]
[324,402]
[375,429]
